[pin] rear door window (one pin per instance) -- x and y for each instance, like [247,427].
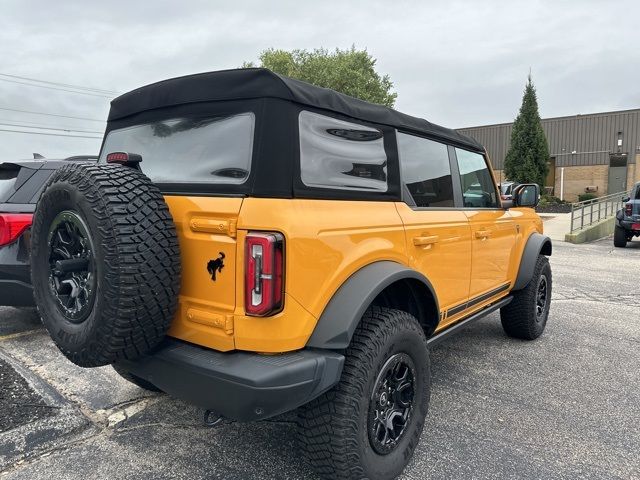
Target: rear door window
[7,182]
[214,150]
[341,155]
[425,170]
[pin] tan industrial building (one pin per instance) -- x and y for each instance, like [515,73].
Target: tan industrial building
[594,153]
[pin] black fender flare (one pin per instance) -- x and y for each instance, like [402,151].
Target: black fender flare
[536,244]
[345,309]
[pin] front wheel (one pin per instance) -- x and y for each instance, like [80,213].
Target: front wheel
[619,237]
[369,424]
[526,315]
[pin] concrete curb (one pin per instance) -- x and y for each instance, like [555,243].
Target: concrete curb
[598,230]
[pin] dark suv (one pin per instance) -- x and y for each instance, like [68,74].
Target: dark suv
[21,183]
[628,219]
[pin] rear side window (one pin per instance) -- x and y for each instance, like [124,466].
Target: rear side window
[425,170]
[341,155]
[478,189]
[7,181]
[190,150]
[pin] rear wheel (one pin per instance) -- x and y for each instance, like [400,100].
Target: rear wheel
[369,424]
[526,315]
[619,237]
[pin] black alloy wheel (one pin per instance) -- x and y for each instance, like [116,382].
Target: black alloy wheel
[72,270]
[541,298]
[391,403]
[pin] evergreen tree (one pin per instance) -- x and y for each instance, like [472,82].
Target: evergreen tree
[526,160]
[348,71]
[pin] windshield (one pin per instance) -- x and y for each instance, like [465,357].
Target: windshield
[189,150]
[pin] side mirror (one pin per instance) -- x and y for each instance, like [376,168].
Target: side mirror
[626,199]
[526,195]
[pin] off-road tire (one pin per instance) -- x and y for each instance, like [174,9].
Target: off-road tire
[519,317]
[333,429]
[135,262]
[137,381]
[619,237]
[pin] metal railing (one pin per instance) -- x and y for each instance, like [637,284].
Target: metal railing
[589,212]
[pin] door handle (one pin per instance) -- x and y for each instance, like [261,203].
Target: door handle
[422,241]
[482,234]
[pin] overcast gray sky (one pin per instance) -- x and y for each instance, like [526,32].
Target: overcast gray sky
[456,63]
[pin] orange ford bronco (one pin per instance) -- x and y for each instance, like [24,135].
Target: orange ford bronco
[254,244]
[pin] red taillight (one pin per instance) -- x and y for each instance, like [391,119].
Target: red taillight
[123,157]
[264,270]
[627,209]
[12,225]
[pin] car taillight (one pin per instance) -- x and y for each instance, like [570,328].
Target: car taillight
[124,158]
[12,225]
[627,209]
[264,272]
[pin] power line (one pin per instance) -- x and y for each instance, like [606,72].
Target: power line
[47,128]
[48,134]
[55,88]
[50,114]
[78,87]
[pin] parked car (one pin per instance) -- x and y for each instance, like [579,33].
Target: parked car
[506,190]
[21,183]
[253,244]
[628,219]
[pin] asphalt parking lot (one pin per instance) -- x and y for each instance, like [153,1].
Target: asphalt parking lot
[564,406]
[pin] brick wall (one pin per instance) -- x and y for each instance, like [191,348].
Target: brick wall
[576,179]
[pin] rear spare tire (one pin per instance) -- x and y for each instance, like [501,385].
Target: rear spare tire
[105,263]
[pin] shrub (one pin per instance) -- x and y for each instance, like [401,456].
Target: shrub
[586,196]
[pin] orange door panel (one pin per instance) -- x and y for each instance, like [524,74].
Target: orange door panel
[493,242]
[439,247]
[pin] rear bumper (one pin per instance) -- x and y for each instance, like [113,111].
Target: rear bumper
[628,224]
[239,385]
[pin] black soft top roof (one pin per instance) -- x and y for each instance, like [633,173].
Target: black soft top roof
[248,83]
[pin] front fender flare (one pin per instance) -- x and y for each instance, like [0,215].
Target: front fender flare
[536,244]
[345,309]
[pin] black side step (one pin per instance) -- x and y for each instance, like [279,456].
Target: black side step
[457,327]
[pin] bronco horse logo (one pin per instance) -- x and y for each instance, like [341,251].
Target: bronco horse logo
[216,266]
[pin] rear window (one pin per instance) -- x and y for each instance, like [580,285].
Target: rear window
[341,155]
[190,150]
[7,181]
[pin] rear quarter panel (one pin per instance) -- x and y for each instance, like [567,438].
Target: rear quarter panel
[326,242]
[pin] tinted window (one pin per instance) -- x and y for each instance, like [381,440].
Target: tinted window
[341,155]
[426,171]
[478,189]
[7,181]
[188,150]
